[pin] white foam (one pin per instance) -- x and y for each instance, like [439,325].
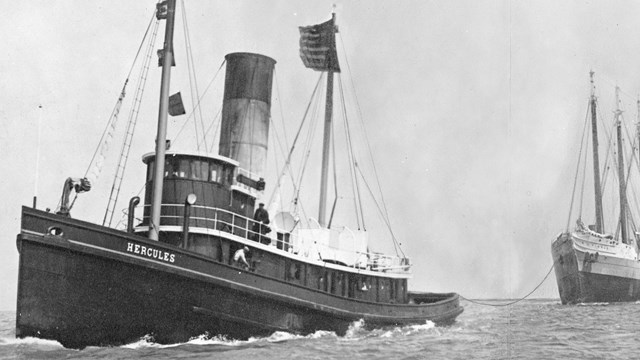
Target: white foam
[594,304]
[31,341]
[147,341]
[355,331]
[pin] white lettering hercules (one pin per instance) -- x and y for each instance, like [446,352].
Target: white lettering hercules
[151,252]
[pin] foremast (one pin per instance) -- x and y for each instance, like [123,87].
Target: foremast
[596,160]
[165,10]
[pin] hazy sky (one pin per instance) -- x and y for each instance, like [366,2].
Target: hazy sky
[473,110]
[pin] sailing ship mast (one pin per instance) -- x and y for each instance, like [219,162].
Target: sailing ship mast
[621,178]
[165,10]
[596,161]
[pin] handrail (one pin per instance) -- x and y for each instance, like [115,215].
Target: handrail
[227,221]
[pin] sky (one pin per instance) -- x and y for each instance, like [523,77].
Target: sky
[473,111]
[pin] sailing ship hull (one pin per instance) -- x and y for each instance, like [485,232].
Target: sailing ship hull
[89,286]
[583,277]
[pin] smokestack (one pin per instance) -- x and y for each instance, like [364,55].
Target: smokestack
[246,111]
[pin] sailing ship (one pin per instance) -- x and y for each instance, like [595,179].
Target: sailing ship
[199,261]
[591,264]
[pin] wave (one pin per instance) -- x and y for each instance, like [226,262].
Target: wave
[594,304]
[356,331]
[30,341]
[205,339]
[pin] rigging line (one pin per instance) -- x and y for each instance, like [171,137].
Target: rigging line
[217,120]
[277,185]
[515,301]
[631,158]
[278,188]
[386,221]
[357,199]
[584,178]
[609,133]
[142,43]
[131,126]
[282,146]
[206,133]
[315,119]
[193,80]
[637,163]
[575,180]
[111,123]
[295,139]
[354,162]
[122,92]
[364,129]
[307,152]
[335,176]
[614,84]
[286,141]
[175,138]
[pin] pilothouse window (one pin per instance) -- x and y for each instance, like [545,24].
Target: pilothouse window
[195,169]
[199,170]
[215,172]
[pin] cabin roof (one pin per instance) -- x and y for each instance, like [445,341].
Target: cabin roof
[149,156]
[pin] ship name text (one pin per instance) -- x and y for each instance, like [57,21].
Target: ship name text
[151,252]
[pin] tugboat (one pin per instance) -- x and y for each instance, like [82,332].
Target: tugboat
[204,258]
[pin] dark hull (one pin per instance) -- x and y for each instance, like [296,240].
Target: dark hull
[84,288]
[605,279]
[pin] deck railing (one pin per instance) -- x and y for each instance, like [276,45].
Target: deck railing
[211,218]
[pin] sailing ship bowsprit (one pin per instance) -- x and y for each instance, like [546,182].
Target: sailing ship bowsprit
[177,274]
[591,264]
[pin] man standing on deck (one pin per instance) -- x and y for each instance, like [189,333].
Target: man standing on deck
[260,227]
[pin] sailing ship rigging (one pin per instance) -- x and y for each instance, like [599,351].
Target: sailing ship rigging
[87,284]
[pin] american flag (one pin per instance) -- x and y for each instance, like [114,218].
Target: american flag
[318,46]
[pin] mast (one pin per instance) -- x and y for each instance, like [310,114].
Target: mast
[161,138]
[638,125]
[596,161]
[326,142]
[621,178]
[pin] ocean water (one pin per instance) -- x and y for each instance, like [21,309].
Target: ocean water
[531,329]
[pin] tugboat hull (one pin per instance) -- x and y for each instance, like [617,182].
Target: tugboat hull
[90,287]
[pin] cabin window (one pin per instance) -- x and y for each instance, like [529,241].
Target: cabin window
[181,168]
[220,174]
[394,295]
[151,168]
[188,168]
[226,176]
[327,280]
[199,170]
[336,283]
[353,284]
[215,172]
[294,271]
